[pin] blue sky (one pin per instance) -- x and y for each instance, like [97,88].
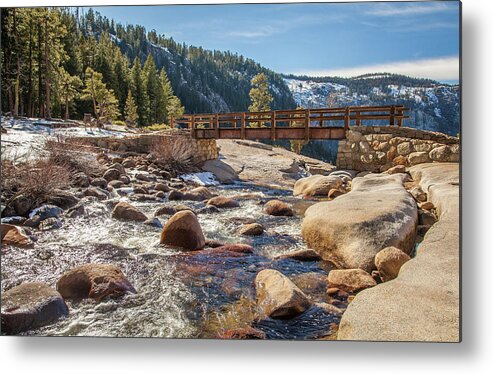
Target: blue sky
[414,38]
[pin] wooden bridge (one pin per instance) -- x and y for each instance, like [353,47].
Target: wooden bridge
[303,124]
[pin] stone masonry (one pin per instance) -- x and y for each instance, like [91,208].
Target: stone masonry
[378,148]
[202,149]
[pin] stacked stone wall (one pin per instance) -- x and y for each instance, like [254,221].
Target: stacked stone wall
[379,148]
[202,149]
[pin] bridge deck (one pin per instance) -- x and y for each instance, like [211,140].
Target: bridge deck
[302,124]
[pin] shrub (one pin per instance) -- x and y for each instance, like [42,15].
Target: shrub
[37,181]
[157,127]
[75,157]
[175,155]
[119,123]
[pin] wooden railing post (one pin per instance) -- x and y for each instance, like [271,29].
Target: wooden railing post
[307,124]
[172,122]
[243,124]
[273,125]
[216,124]
[392,116]
[192,127]
[347,118]
[358,120]
[400,113]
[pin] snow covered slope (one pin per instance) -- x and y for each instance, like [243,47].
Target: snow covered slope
[434,106]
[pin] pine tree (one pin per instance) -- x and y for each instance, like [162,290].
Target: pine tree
[69,89]
[260,96]
[104,102]
[171,102]
[154,91]
[139,92]
[131,115]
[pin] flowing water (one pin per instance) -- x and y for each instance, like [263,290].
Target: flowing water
[180,295]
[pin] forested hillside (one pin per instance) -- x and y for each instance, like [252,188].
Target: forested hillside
[46,54]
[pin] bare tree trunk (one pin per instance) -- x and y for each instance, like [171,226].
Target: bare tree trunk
[47,78]
[66,108]
[15,111]
[40,75]
[30,77]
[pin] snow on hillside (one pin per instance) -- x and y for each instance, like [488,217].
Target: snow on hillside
[434,107]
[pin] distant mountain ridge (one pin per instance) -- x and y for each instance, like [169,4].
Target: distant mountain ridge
[433,106]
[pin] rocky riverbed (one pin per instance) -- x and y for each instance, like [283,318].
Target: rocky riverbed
[241,249]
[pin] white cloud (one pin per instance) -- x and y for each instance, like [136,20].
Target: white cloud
[394,10]
[440,69]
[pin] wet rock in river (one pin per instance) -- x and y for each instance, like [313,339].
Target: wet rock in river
[50,224]
[161,187]
[209,209]
[15,236]
[97,192]
[14,220]
[128,163]
[389,261]
[111,174]
[305,254]
[251,229]
[223,202]
[99,182]
[126,211]
[81,180]
[242,333]
[277,208]
[116,183]
[62,199]
[154,222]
[42,213]
[277,296]
[237,247]
[95,281]
[183,230]
[30,306]
[140,190]
[350,280]
[125,179]
[165,210]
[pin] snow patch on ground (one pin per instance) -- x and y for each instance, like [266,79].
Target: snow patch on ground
[25,138]
[203,179]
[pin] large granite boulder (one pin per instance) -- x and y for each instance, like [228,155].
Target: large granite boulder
[422,303]
[222,171]
[183,230]
[352,229]
[316,185]
[30,306]
[95,281]
[277,296]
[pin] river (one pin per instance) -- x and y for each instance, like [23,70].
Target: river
[179,295]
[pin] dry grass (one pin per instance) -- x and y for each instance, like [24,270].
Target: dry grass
[75,157]
[176,155]
[37,181]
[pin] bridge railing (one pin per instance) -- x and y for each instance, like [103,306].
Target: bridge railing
[287,124]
